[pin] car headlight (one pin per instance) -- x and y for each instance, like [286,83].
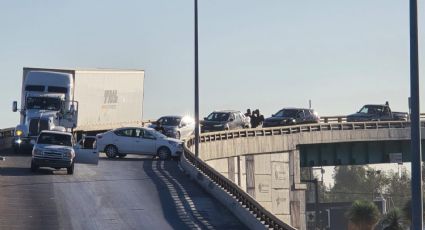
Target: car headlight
[37,152]
[19,132]
[70,154]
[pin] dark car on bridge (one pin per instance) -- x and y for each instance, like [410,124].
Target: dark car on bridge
[292,116]
[224,120]
[377,113]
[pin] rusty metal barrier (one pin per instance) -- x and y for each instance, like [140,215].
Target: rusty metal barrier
[246,200]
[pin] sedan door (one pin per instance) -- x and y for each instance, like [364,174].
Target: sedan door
[145,142]
[124,139]
[86,153]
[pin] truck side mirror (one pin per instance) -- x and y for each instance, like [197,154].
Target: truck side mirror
[15,106]
[72,109]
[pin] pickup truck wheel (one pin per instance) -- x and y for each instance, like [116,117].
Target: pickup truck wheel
[164,153]
[111,151]
[70,170]
[34,166]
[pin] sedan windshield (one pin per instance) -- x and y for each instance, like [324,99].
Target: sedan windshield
[218,117]
[44,103]
[286,113]
[170,121]
[55,139]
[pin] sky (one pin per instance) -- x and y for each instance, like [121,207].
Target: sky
[252,54]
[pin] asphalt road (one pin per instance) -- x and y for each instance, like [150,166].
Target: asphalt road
[130,193]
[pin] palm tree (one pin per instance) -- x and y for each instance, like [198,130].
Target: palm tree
[407,211]
[393,220]
[363,215]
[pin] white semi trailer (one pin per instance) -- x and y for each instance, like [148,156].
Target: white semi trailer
[78,101]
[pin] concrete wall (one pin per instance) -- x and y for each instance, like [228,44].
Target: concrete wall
[268,167]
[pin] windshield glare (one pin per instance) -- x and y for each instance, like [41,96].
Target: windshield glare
[286,113]
[218,117]
[55,139]
[44,103]
[170,121]
[371,110]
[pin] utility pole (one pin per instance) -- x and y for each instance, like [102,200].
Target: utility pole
[197,130]
[416,153]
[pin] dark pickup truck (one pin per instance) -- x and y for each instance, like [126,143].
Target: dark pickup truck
[376,113]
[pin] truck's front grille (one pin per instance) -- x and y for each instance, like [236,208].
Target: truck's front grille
[55,155]
[37,125]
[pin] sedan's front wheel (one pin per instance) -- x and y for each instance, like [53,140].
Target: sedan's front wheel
[111,151]
[164,153]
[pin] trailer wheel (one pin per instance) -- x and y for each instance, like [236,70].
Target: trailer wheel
[111,151]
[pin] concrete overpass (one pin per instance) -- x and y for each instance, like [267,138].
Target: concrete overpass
[265,163]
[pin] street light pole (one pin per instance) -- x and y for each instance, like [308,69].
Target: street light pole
[417,208]
[197,131]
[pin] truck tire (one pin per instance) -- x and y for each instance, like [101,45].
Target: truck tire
[70,170]
[111,151]
[34,166]
[164,153]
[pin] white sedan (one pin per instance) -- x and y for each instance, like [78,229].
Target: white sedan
[136,140]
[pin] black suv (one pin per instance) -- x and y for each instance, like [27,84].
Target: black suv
[292,116]
[224,120]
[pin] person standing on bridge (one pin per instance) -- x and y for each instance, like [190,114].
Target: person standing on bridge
[159,127]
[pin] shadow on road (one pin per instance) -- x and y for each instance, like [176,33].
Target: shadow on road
[186,205]
[20,171]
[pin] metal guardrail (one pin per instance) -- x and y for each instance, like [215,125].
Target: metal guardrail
[224,135]
[246,200]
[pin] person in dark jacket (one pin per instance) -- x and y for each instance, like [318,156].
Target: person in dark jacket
[159,127]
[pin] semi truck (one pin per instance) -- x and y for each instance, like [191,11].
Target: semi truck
[80,101]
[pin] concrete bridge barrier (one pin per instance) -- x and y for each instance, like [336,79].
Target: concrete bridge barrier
[265,163]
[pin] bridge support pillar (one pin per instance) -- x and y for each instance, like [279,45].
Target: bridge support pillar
[297,192]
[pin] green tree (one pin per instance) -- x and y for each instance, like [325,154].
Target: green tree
[363,215]
[399,189]
[357,182]
[393,220]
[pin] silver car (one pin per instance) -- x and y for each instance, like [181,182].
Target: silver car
[179,127]
[138,140]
